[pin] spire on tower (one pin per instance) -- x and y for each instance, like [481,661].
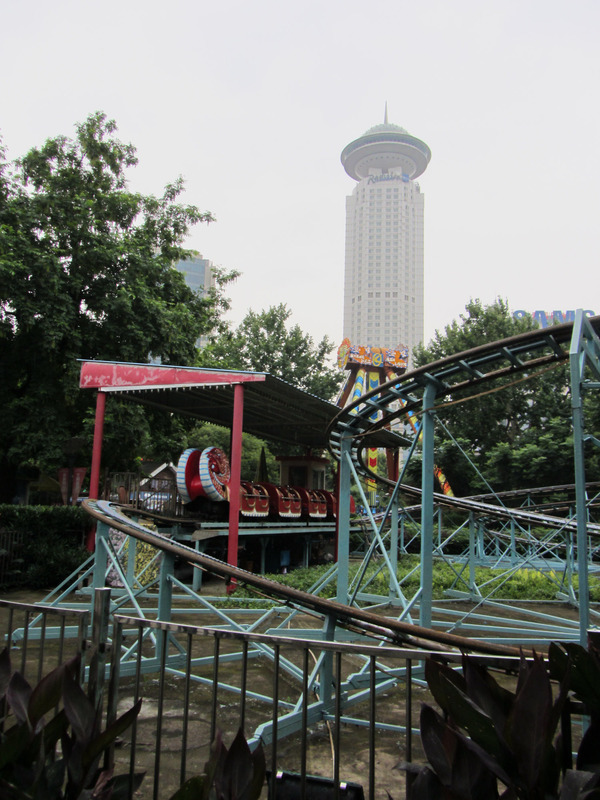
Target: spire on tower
[385,116]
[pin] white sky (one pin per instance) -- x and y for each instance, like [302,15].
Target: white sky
[253,102]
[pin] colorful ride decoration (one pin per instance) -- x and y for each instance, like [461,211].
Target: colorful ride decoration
[203,473]
[441,478]
[368,367]
[206,474]
[443,482]
[377,357]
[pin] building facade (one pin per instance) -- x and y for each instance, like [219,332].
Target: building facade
[384,260]
[198,273]
[199,276]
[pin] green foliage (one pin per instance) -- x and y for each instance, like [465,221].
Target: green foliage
[491,738]
[521,584]
[51,543]
[264,342]
[234,774]
[479,325]
[208,435]
[31,766]
[516,437]
[86,271]
[65,521]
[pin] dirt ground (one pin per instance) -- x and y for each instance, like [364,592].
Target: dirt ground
[354,741]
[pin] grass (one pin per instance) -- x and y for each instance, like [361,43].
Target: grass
[520,584]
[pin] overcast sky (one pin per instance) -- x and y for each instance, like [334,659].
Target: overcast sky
[253,102]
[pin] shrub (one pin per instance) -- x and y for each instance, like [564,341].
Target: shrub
[51,544]
[32,765]
[492,742]
[234,774]
[522,584]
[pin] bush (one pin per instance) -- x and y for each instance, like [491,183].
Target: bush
[57,757]
[494,742]
[523,584]
[50,546]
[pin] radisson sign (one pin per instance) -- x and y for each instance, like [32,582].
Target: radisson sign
[546,318]
[389,177]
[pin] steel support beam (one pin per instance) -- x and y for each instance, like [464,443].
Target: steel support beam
[343,544]
[236,471]
[427,444]
[584,352]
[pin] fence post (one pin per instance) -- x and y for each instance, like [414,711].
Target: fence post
[99,644]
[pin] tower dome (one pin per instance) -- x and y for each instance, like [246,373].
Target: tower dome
[384,147]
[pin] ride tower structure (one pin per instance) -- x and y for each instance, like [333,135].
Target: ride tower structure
[384,260]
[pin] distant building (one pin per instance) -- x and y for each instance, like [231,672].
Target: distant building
[383,283]
[198,273]
[199,276]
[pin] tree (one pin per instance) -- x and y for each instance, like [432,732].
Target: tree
[264,342]
[517,437]
[86,271]
[208,435]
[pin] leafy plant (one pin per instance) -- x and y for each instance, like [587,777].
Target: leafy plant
[492,742]
[56,756]
[521,584]
[48,544]
[234,774]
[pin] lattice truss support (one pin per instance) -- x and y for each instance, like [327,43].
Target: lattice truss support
[512,542]
[504,540]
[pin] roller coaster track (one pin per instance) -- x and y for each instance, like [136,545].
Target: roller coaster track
[449,381]
[521,515]
[456,378]
[368,623]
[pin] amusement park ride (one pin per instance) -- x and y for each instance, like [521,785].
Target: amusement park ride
[382,406]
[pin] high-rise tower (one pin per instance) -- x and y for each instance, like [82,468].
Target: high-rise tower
[383,285]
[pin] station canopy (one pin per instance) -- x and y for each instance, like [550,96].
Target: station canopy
[272,409]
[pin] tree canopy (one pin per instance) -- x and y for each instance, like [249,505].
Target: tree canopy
[86,271]
[517,437]
[266,342]
[208,435]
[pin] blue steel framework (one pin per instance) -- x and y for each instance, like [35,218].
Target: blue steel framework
[417,390]
[454,377]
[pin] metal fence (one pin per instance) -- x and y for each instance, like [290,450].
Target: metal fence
[270,687]
[41,637]
[290,695]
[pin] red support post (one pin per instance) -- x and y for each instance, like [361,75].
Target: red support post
[97,447]
[96,457]
[236,474]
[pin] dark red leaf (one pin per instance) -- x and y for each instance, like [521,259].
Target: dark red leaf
[18,694]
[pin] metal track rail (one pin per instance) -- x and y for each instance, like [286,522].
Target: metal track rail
[521,515]
[454,377]
[383,628]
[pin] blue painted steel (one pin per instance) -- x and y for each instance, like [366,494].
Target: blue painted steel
[343,519]
[427,429]
[585,351]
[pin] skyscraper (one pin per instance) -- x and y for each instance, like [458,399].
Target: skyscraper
[383,283]
[199,276]
[198,273]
